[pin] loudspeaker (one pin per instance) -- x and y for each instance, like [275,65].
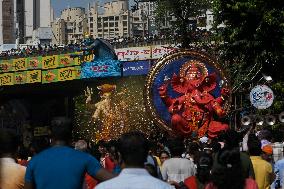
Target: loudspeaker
[281,117]
[270,120]
[246,120]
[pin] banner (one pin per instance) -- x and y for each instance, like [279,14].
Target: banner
[20,78]
[50,62]
[34,76]
[136,68]
[20,64]
[158,51]
[6,66]
[6,79]
[34,62]
[50,76]
[134,53]
[101,68]
[61,74]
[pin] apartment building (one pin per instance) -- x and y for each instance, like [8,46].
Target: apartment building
[114,21]
[71,27]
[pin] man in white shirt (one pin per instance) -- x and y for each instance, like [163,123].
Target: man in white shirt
[11,174]
[177,169]
[133,148]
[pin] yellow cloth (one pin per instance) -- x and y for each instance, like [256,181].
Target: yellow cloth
[262,170]
[12,174]
[158,160]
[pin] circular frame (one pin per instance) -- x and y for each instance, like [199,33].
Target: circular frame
[160,65]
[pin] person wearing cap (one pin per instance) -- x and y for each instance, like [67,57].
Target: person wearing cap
[262,169]
[267,152]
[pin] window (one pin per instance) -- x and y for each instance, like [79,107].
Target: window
[116,24]
[111,24]
[99,25]
[105,24]
[117,18]
[111,18]
[124,17]
[124,23]
[91,19]
[91,25]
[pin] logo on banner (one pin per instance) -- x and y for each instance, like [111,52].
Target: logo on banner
[6,79]
[49,62]
[20,77]
[20,64]
[34,76]
[5,66]
[261,97]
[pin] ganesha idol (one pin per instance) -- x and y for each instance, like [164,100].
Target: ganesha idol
[193,110]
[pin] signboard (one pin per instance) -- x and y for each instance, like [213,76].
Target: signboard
[261,97]
[136,68]
[144,53]
[6,79]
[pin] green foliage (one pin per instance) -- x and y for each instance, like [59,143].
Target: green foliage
[253,37]
[184,12]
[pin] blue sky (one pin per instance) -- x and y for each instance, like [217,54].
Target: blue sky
[59,5]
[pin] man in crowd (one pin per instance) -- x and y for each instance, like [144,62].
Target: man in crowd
[177,169]
[262,169]
[279,171]
[133,148]
[11,174]
[61,166]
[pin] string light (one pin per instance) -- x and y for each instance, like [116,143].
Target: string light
[127,113]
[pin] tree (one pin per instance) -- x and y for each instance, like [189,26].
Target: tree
[185,12]
[252,39]
[252,44]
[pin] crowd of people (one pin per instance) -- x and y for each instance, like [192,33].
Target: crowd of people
[119,42]
[232,160]
[39,50]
